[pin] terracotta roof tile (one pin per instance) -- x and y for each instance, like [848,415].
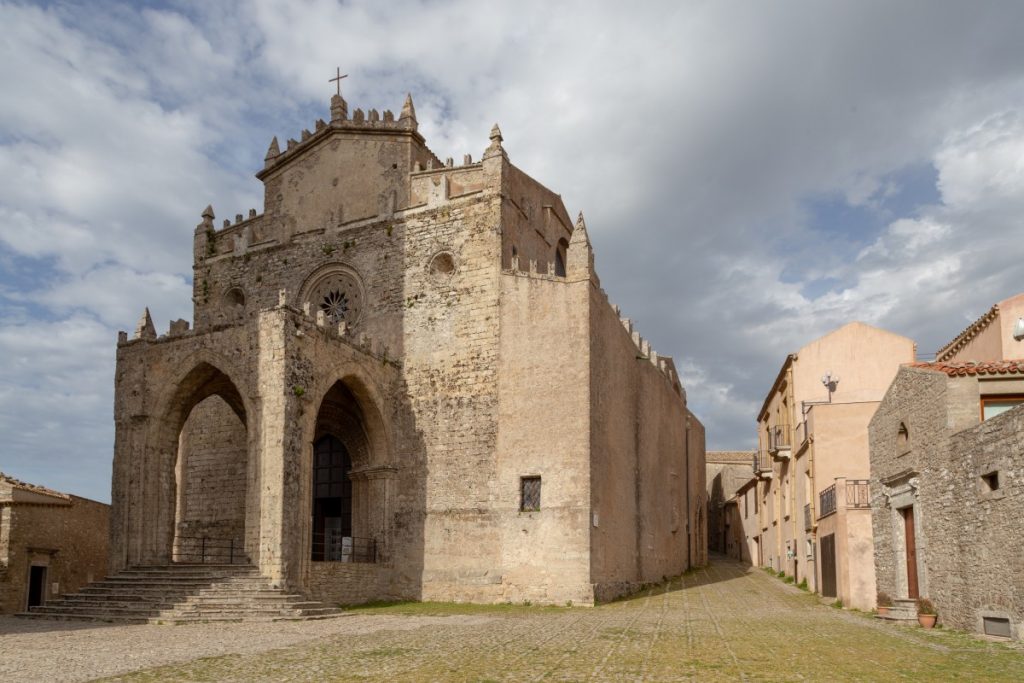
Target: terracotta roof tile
[971,368]
[25,486]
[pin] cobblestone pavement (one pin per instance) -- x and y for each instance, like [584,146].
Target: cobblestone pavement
[725,622]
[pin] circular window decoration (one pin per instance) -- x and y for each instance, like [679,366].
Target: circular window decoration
[335,291]
[442,265]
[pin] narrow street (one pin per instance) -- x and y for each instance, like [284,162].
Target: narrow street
[723,622]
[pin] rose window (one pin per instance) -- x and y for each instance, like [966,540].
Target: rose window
[335,304]
[337,293]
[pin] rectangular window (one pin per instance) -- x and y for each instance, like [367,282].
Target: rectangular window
[746,505]
[997,626]
[529,494]
[997,405]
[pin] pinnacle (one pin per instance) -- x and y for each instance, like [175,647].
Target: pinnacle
[274,149]
[496,133]
[579,234]
[145,328]
[208,211]
[408,110]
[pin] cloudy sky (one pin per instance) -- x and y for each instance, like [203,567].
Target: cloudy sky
[754,174]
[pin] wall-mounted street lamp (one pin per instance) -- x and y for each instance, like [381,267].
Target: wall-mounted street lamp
[830,382]
[1018,329]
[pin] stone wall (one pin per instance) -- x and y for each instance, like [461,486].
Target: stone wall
[70,540]
[350,583]
[211,474]
[918,399]
[986,579]
[647,455]
[967,536]
[543,430]
[726,471]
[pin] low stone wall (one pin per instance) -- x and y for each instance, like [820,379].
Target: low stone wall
[349,583]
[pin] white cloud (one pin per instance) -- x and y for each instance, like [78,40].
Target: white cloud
[690,133]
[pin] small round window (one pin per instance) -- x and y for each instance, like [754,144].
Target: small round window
[442,265]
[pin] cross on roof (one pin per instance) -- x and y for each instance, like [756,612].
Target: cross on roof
[337,79]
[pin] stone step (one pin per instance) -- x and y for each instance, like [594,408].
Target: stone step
[186,593]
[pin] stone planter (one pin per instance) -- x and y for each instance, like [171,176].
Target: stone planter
[926,620]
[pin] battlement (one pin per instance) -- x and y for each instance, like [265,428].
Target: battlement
[364,123]
[307,322]
[645,351]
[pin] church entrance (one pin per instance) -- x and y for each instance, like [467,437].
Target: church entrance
[344,506]
[332,500]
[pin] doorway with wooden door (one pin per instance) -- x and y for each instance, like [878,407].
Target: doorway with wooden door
[910,543]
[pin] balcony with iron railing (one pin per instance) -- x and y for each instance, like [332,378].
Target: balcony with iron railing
[858,497]
[780,442]
[858,493]
[762,464]
[827,502]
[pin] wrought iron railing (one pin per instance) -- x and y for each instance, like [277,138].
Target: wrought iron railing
[808,518]
[779,438]
[858,493]
[331,545]
[827,501]
[209,550]
[762,462]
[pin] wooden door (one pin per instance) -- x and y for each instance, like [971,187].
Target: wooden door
[908,528]
[828,565]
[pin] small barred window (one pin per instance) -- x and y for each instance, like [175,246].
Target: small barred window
[529,500]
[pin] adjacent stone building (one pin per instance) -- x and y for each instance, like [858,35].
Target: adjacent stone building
[727,473]
[947,480]
[51,543]
[812,514]
[405,381]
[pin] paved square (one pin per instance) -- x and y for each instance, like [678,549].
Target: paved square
[725,622]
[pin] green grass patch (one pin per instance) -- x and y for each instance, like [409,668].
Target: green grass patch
[414,608]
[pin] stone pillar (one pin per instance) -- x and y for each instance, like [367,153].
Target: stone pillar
[275,409]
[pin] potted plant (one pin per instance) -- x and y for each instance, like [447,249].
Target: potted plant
[926,613]
[884,602]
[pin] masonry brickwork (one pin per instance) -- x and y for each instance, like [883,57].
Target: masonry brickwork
[934,459]
[64,537]
[445,328]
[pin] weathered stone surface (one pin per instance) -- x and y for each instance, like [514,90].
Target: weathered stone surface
[64,534]
[382,305]
[968,538]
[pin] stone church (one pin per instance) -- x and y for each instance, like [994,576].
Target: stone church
[404,380]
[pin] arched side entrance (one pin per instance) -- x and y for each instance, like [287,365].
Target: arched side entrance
[198,481]
[211,476]
[347,510]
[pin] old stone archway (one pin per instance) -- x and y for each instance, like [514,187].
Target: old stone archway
[347,509]
[202,486]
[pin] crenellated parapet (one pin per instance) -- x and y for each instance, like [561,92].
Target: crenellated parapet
[364,123]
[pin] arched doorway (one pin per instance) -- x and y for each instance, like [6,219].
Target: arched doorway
[205,491]
[332,499]
[346,508]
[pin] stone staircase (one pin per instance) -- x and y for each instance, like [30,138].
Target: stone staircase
[903,611]
[182,593]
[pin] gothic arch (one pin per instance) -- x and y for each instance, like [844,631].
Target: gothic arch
[205,377]
[346,429]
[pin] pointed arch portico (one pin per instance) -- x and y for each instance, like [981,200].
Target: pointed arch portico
[347,408]
[155,498]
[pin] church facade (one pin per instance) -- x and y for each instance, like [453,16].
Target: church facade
[404,380]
